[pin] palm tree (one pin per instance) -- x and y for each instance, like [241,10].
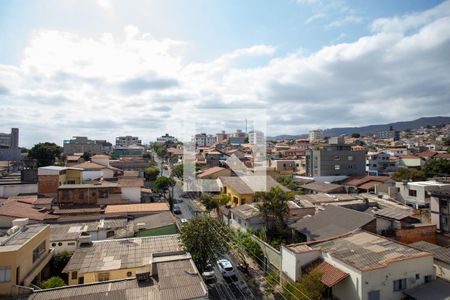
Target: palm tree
[273,206]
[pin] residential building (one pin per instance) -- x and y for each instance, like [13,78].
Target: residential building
[94,171]
[417,193]
[24,253]
[388,134]
[10,140]
[242,189]
[52,177]
[410,161]
[440,209]
[128,151]
[166,138]
[9,146]
[204,140]
[246,217]
[16,183]
[65,237]
[28,207]
[435,290]
[315,136]
[378,163]
[162,223]
[256,137]
[332,221]
[441,257]
[136,210]
[131,189]
[222,137]
[89,194]
[81,144]
[335,159]
[126,141]
[389,219]
[285,165]
[322,187]
[367,184]
[360,265]
[120,259]
[214,173]
[170,277]
[397,151]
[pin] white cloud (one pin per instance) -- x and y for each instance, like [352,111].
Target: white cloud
[125,84]
[105,4]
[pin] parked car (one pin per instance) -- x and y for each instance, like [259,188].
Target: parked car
[176,210]
[209,274]
[225,267]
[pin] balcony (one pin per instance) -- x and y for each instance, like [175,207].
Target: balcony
[40,263]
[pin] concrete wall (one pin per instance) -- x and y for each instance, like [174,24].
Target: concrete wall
[92,174]
[272,255]
[442,269]
[11,190]
[420,233]
[132,194]
[64,246]
[292,262]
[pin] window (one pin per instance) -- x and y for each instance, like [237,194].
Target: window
[428,278]
[74,274]
[71,244]
[5,274]
[399,285]
[65,194]
[412,193]
[38,251]
[53,244]
[129,274]
[59,244]
[417,276]
[103,194]
[71,182]
[374,295]
[81,195]
[337,167]
[350,157]
[103,276]
[81,280]
[336,157]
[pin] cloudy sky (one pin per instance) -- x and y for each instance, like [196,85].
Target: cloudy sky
[107,68]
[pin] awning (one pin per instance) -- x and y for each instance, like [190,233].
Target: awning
[331,275]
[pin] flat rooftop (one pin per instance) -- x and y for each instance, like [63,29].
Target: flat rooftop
[366,251]
[17,240]
[120,254]
[104,184]
[68,232]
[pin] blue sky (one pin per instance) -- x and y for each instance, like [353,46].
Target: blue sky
[311,63]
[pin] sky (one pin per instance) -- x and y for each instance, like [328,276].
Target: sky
[104,68]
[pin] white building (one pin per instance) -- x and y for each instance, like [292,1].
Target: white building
[361,265]
[256,137]
[204,140]
[315,135]
[126,141]
[378,163]
[417,193]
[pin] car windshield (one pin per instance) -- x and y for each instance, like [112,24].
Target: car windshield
[228,269]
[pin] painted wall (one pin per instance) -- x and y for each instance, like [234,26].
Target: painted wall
[12,190]
[132,194]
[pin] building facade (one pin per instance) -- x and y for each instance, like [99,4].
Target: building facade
[204,140]
[126,141]
[315,135]
[81,144]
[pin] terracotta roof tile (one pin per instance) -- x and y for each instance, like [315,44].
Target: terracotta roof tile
[331,275]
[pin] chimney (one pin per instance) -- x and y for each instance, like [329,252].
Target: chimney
[21,223]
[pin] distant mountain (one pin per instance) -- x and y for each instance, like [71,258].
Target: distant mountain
[421,122]
[364,130]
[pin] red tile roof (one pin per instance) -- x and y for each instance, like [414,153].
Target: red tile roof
[131,182]
[331,275]
[443,155]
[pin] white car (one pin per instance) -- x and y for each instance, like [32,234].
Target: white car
[209,274]
[225,267]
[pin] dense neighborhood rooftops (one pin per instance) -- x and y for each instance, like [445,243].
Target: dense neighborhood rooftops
[154,221]
[323,187]
[332,221]
[439,253]
[367,251]
[71,231]
[210,171]
[16,209]
[102,184]
[250,184]
[122,253]
[136,208]
[245,211]
[394,213]
[131,182]
[326,198]
[16,240]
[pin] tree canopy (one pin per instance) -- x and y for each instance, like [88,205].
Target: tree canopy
[408,174]
[204,238]
[165,186]
[45,153]
[151,173]
[437,168]
[356,135]
[310,286]
[53,282]
[177,171]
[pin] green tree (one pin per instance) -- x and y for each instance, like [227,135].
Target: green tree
[160,150]
[310,286]
[204,238]
[59,261]
[45,153]
[177,171]
[273,206]
[208,201]
[356,135]
[437,168]
[151,173]
[408,174]
[287,181]
[53,282]
[165,186]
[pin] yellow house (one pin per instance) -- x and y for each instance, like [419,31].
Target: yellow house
[242,190]
[24,252]
[117,259]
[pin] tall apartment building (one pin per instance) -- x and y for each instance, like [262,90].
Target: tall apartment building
[166,138]
[222,137]
[9,145]
[204,140]
[126,141]
[388,134]
[335,159]
[315,135]
[256,137]
[81,144]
